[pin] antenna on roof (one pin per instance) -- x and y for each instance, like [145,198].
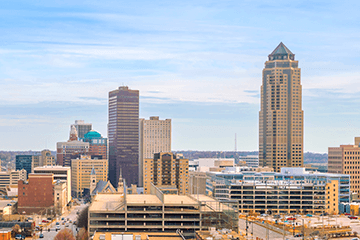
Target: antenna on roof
[235,143]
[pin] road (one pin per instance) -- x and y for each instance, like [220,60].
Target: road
[258,231]
[50,235]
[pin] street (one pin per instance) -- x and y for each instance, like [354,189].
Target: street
[49,235]
[258,231]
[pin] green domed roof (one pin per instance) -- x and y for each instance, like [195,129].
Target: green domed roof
[92,134]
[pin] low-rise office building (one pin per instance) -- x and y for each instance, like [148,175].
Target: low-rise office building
[292,191]
[12,177]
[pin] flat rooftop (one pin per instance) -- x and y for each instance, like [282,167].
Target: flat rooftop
[146,199]
[109,202]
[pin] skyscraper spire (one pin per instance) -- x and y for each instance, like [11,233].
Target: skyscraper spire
[73,134]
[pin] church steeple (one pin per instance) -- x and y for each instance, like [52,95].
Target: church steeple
[92,180]
[120,188]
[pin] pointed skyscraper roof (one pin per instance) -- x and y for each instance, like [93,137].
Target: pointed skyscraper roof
[281,52]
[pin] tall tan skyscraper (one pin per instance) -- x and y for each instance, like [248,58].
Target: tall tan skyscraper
[155,136]
[281,116]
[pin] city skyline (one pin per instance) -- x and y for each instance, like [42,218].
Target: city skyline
[197,63]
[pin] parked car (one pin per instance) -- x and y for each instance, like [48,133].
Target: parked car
[67,225]
[263,215]
[347,214]
[19,237]
[41,235]
[57,223]
[62,219]
[291,219]
[57,227]
[309,215]
[353,217]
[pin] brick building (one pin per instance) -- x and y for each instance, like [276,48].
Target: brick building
[37,194]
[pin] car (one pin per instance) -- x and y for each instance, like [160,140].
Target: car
[291,219]
[57,227]
[324,214]
[41,235]
[67,225]
[63,223]
[353,217]
[57,223]
[70,221]
[19,237]
[62,219]
[347,214]
[277,216]
[263,215]
[309,215]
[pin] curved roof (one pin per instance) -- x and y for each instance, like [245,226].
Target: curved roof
[92,134]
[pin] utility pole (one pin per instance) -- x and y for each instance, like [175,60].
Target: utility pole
[246,226]
[284,228]
[303,230]
[267,229]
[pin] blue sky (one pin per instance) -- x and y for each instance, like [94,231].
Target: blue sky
[196,62]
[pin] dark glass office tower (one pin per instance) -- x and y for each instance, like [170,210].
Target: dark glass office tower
[123,134]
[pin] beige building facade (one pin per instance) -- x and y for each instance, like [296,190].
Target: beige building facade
[155,137]
[166,169]
[346,160]
[60,196]
[81,173]
[281,115]
[12,177]
[45,159]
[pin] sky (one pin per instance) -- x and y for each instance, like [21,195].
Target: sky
[197,62]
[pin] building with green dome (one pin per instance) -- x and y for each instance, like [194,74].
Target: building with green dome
[98,144]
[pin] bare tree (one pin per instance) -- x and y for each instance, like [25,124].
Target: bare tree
[82,219]
[16,229]
[82,235]
[65,234]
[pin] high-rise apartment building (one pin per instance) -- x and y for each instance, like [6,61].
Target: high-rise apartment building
[123,134]
[155,137]
[82,128]
[81,170]
[345,160]
[166,169]
[281,116]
